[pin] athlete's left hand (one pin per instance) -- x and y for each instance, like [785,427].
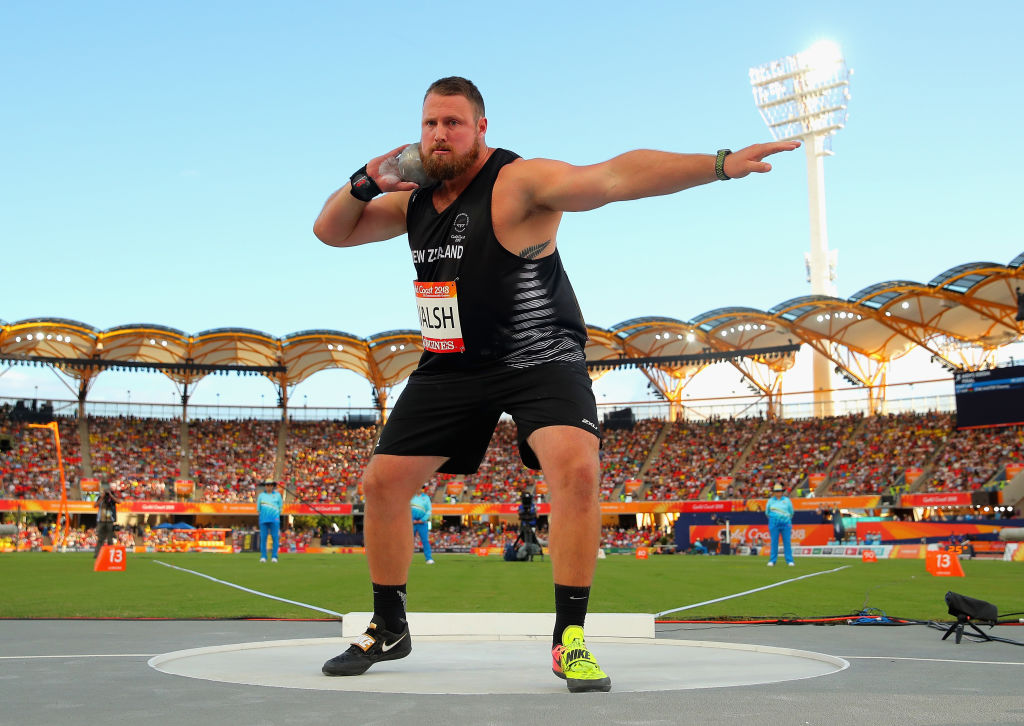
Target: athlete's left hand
[746,161]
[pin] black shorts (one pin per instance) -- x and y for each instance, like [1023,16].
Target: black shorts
[454,415]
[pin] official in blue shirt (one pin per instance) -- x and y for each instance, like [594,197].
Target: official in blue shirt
[269,504]
[421,521]
[780,524]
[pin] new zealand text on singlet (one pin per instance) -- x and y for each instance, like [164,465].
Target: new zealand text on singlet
[478,303]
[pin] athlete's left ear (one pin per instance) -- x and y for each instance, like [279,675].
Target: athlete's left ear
[481,127]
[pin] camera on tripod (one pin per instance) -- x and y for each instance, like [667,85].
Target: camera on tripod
[526,545]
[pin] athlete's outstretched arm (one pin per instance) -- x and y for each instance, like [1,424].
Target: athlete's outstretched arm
[346,221]
[636,174]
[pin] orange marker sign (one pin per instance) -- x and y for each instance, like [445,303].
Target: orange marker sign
[642,553]
[869,556]
[943,564]
[112,558]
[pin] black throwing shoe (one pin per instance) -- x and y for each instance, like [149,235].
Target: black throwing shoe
[375,645]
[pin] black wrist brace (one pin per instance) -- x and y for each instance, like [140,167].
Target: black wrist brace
[364,188]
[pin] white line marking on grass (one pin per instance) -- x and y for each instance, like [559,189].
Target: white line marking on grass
[254,592]
[78,655]
[931,660]
[747,592]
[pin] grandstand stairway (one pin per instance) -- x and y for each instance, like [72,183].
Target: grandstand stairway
[744,455]
[826,483]
[922,481]
[442,488]
[282,450]
[652,456]
[84,449]
[185,462]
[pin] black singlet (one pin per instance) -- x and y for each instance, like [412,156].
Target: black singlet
[514,312]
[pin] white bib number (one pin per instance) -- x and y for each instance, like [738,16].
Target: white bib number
[438,306]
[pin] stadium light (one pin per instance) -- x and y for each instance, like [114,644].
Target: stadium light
[805,96]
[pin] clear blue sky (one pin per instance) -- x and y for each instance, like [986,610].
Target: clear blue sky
[163,163]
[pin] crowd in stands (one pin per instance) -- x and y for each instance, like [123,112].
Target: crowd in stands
[290,540]
[877,458]
[34,538]
[693,455]
[624,453]
[437,487]
[501,476]
[140,458]
[499,534]
[632,537]
[30,469]
[326,458]
[974,456]
[231,458]
[29,539]
[480,535]
[787,451]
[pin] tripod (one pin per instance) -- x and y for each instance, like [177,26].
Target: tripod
[528,536]
[958,628]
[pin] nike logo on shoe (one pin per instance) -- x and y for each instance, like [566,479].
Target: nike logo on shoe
[385,647]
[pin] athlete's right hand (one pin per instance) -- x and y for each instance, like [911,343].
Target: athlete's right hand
[384,171]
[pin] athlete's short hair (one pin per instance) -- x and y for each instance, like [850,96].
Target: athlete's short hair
[458,86]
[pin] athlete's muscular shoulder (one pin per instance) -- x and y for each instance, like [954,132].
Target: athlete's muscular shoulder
[522,225]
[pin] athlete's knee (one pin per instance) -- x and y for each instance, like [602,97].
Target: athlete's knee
[382,485]
[374,485]
[579,475]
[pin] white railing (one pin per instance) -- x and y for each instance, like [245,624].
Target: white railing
[758,407]
[133,409]
[707,409]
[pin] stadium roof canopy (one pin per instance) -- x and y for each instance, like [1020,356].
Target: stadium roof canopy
[973,304]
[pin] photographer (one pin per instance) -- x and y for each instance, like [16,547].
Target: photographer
[526,544]
[106,516]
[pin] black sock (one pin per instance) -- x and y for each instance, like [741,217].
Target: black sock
[570,609]
[389,603]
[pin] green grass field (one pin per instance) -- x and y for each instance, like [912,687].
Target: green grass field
[52,585]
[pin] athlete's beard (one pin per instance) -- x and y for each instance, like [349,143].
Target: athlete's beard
[450,166]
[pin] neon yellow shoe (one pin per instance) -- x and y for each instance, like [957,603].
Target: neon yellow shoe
[572,661]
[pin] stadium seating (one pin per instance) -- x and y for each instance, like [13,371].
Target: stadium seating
[973,457]
[231,458]
[788,450]
[29,470]
[693,455]
[624,453]
[324,460]
[631,538]
[876,460]
[138,457]
[502,476]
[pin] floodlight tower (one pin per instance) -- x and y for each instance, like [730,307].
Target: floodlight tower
[804,96]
